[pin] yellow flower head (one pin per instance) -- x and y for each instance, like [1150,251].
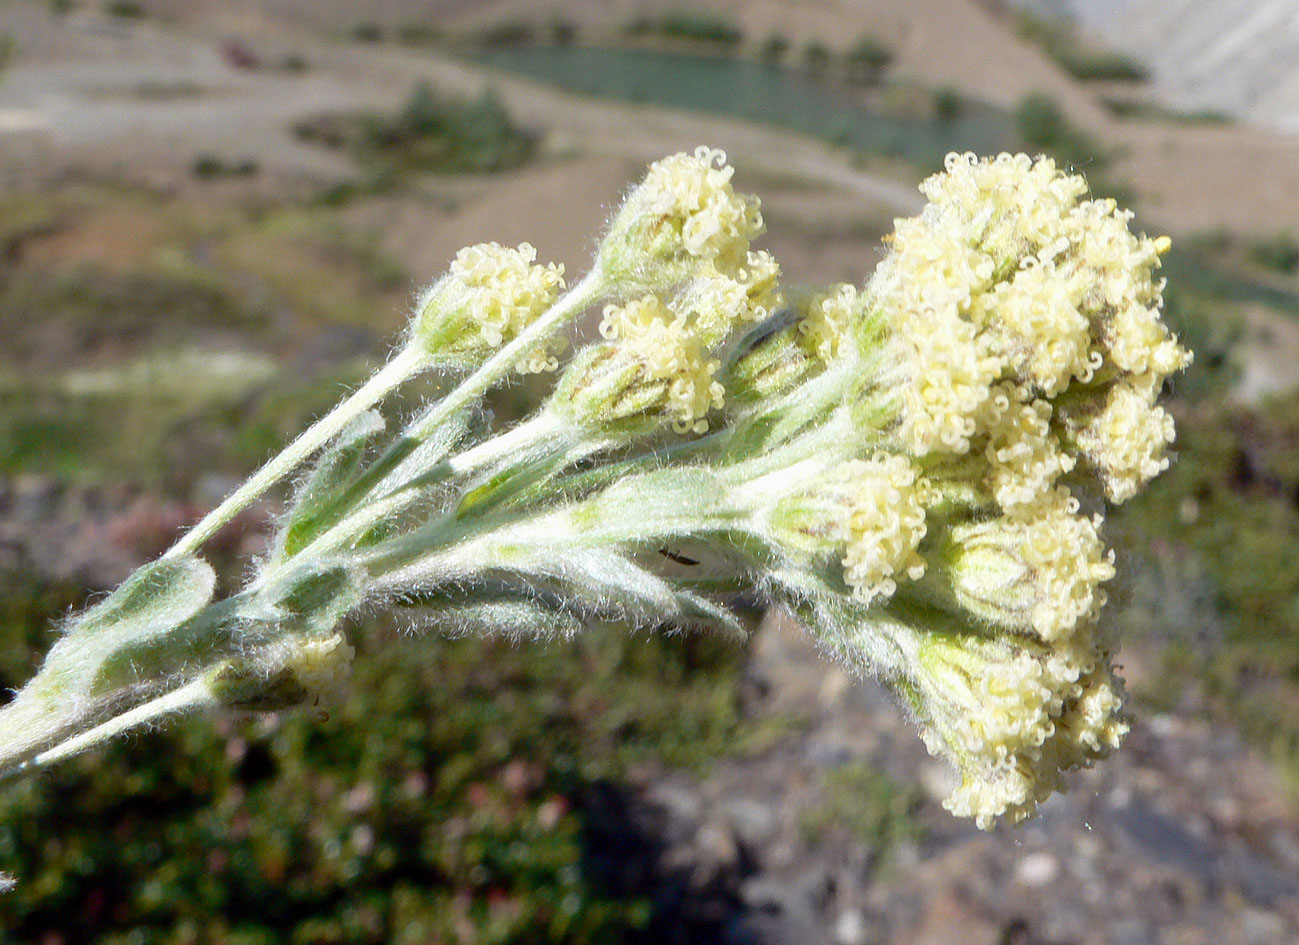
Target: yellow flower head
[869,513]
[1007,291]
[1125,436]
[1023,455]
[490,294]
[672,365]
[1039,575]
[827,321]
[716,303]
[683,214]
[1012,718]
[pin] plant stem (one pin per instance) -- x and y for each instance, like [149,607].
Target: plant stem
[193,695]
[575,301]
[406,364]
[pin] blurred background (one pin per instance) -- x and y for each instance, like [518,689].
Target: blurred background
[213,216]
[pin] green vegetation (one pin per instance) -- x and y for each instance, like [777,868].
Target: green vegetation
[707,28]
[774,48]
[1084,63]
[868,805]
[126,9]
[816,56]
[867,59]
[1043,127]
[447,800]
[430,133]
[1136,109]
[948,103]
[419,34]
[367,32]
[211,167]
[506,34]
[1278,252]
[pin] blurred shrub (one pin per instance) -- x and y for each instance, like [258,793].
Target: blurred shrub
[126,9]
[367,32]
[430,132]
[507,34]
[1043,127]
[419,34]
[867,59]
[1142,110]
[700,27]
[210,167]
[774,48]
[563,32]
[1277,253]
[689,26]
[1083,62]
[816,56]
[948,103]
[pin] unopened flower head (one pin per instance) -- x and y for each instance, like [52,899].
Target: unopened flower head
[490,294]
[656,366]
[293,671]
[684,214]
[827,321]
[1124,436]
[1012,717]
[817,329]
[1040,575]
[715,304]
[868,513]
[1023,454]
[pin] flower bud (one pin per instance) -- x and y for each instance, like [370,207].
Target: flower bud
[1123,435]
[682,215]
[657,370]
[1023,456]
[1041,575]
[488,297]
[869,513]
[1012,717]
[293,671]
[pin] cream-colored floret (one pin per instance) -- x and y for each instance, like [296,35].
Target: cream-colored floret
[1024,458]
[1068,561]
[716,303]
[1013,718]
[886,521]
[952,369]
[1127,439]
[1047,338]
[694,192]
[669,352]
[490,294]
[827,322]
[320,665]
[504,290]
[1038,573]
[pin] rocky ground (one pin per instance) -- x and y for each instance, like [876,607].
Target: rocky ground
[1184,836]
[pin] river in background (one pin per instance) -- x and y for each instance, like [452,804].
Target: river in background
[760,92]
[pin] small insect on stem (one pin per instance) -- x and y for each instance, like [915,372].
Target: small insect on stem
[678,558]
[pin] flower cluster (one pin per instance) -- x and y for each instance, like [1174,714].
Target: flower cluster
[1010,349]
[489,296]
[916,467]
